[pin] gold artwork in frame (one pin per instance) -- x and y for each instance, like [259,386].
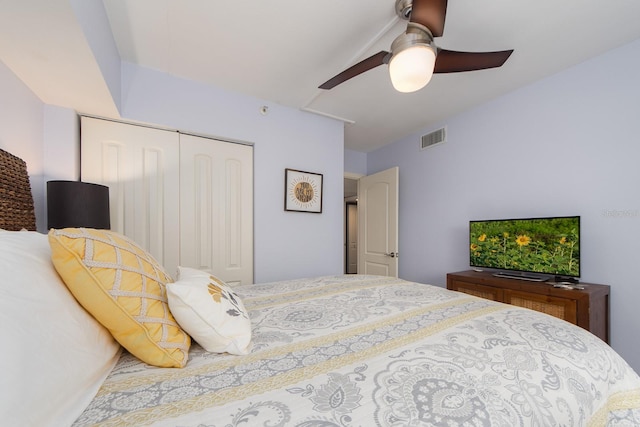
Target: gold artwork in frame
[302,191]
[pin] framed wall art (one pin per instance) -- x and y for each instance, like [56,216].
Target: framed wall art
[302,191]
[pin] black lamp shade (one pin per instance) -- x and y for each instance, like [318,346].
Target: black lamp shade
[77,204]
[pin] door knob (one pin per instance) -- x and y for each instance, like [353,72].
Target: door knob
[392,254]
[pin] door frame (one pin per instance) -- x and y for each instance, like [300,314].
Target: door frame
[348,226]
[354,176]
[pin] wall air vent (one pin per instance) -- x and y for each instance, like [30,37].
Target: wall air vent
[434,138]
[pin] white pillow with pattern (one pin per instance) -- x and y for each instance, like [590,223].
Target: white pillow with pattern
[208,310]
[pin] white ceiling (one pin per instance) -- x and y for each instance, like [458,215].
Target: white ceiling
[281,50]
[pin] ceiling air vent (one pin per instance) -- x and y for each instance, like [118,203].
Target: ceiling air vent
[436,137]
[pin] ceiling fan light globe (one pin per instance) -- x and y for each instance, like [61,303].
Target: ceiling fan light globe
[411,69]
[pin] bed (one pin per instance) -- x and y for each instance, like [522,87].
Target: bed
[349,350]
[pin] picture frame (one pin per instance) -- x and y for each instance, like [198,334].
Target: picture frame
[302,191]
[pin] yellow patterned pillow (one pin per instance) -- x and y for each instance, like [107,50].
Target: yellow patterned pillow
[123,287]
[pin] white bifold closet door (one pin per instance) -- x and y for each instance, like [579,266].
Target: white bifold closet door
[188,200]
[216,207]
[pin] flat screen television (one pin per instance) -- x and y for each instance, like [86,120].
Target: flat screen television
[528,248]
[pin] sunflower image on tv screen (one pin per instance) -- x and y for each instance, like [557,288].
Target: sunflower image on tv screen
[540,245]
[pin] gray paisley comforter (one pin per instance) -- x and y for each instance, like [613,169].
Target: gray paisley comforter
[378,351]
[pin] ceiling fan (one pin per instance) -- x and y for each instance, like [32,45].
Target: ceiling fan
[414,57]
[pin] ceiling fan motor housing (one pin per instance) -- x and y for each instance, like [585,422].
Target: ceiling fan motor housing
[403,9]
[415,35]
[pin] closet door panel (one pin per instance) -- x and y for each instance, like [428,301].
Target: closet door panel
[113,170]
[198,216]
[233,214]
[216,205]
[140,167]
[150,198]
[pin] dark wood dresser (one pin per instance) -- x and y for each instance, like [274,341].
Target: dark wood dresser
[587,308]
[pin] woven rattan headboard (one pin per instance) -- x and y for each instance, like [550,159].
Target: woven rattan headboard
[16,201]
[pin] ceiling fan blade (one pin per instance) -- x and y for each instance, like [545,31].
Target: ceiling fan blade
[431,14]
[362,66]
[449,61]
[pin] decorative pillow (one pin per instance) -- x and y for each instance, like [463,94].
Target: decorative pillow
[210,312]
[54,354]
[123,287]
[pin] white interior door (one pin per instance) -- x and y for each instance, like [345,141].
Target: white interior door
[378,223]
[216,208]
[140,167]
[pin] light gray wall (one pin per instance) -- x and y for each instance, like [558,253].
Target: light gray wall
[355,162]
[21,130]
[567,145]
[61,143]
[287,244]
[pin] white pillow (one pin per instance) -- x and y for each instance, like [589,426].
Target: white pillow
[55,355]
[208,310]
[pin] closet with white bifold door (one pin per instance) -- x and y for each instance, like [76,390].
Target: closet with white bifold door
[186,199]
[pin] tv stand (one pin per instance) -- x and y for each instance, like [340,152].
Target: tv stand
[586,306]
[519,276]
